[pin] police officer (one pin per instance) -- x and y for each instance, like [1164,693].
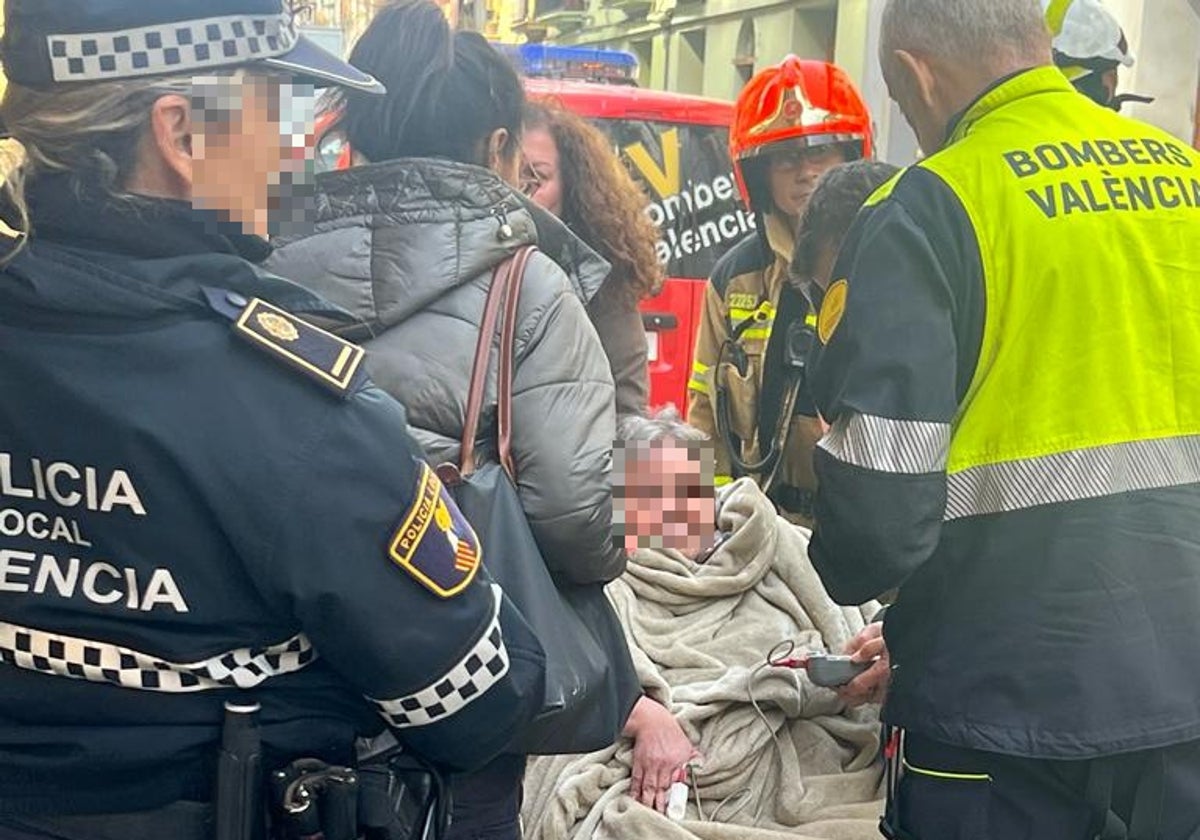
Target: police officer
[1010,357]
[793,122]
[202,498]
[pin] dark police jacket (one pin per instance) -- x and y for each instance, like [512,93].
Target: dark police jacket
[203,499]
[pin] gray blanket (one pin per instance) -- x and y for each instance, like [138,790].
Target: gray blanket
[698,633]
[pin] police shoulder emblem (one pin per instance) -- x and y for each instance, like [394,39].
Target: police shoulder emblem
[435,543]
[280,328]
[328,360]
[833,307]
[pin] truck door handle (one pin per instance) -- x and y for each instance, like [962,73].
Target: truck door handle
[659,321]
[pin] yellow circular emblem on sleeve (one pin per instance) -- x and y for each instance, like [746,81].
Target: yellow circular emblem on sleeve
[832,310]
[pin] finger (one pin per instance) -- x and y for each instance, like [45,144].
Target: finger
[869,650]
[868,682]
[647,797]
[871,631]
[635,787]
[663,795]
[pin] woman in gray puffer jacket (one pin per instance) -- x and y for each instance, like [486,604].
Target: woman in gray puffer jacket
[407,240]
[408,246]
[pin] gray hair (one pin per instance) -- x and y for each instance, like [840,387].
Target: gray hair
[665,424]
[1011,31]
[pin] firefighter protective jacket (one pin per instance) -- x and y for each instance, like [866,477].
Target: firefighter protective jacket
[741,303]
[1011,364]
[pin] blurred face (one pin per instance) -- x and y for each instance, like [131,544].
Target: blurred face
[663,494]
[540,178]
[793,174]
[251,149]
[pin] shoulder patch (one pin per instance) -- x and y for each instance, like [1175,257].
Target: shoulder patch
[331,362]
[435,543]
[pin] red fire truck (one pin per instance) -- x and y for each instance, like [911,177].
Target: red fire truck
[677,148]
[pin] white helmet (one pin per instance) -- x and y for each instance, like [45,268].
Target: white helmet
[1086,36]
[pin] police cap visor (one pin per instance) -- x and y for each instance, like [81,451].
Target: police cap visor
[52,42]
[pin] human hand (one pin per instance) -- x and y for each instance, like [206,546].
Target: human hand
[871,685]
[661,752]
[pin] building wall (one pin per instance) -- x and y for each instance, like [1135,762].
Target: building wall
[1165,38]
[691,45]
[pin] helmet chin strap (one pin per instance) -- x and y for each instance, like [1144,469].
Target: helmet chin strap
[1118,101]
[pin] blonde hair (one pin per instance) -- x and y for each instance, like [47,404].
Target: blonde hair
[90,131]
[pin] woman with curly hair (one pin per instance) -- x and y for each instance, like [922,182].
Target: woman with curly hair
[570,170]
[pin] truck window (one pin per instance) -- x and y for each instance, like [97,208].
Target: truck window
[687,176]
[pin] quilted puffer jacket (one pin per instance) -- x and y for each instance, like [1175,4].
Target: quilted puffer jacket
[409,247]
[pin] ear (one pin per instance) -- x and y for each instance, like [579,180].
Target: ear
[1110,81]
[496,143]
[170,139]
[919,76]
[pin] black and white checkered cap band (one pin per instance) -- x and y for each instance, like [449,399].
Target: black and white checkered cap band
[180,47]
[475,673]
[85,659]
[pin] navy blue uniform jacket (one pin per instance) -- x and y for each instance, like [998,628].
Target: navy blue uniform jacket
[190,515]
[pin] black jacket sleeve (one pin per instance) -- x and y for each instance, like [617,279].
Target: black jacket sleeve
[899,329]
[455,672]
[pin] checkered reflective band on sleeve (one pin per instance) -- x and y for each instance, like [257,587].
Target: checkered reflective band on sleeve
[179,47]
[1072,476]
[86,659]
[475,673]
[908,447]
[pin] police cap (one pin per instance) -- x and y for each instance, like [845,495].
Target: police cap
[52,42]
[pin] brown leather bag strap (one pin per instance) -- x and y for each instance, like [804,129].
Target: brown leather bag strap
[508,334]
[483,355]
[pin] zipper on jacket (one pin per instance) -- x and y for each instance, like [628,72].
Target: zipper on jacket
[505,231]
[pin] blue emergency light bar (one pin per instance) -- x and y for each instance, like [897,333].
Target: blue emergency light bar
[551,61]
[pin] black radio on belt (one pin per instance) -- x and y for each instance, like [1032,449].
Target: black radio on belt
[800,341]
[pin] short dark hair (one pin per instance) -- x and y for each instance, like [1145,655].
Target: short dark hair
[446,91]
[831,209]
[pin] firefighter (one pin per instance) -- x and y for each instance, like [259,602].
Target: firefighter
[1009,357]
[793,122]
[1090,47]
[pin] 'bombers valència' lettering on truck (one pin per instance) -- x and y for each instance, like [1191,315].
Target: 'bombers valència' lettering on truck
[49,573]
[692,216]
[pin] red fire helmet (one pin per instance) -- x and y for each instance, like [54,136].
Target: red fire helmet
[808,103]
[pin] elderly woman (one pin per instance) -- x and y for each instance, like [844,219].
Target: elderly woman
[715,580]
